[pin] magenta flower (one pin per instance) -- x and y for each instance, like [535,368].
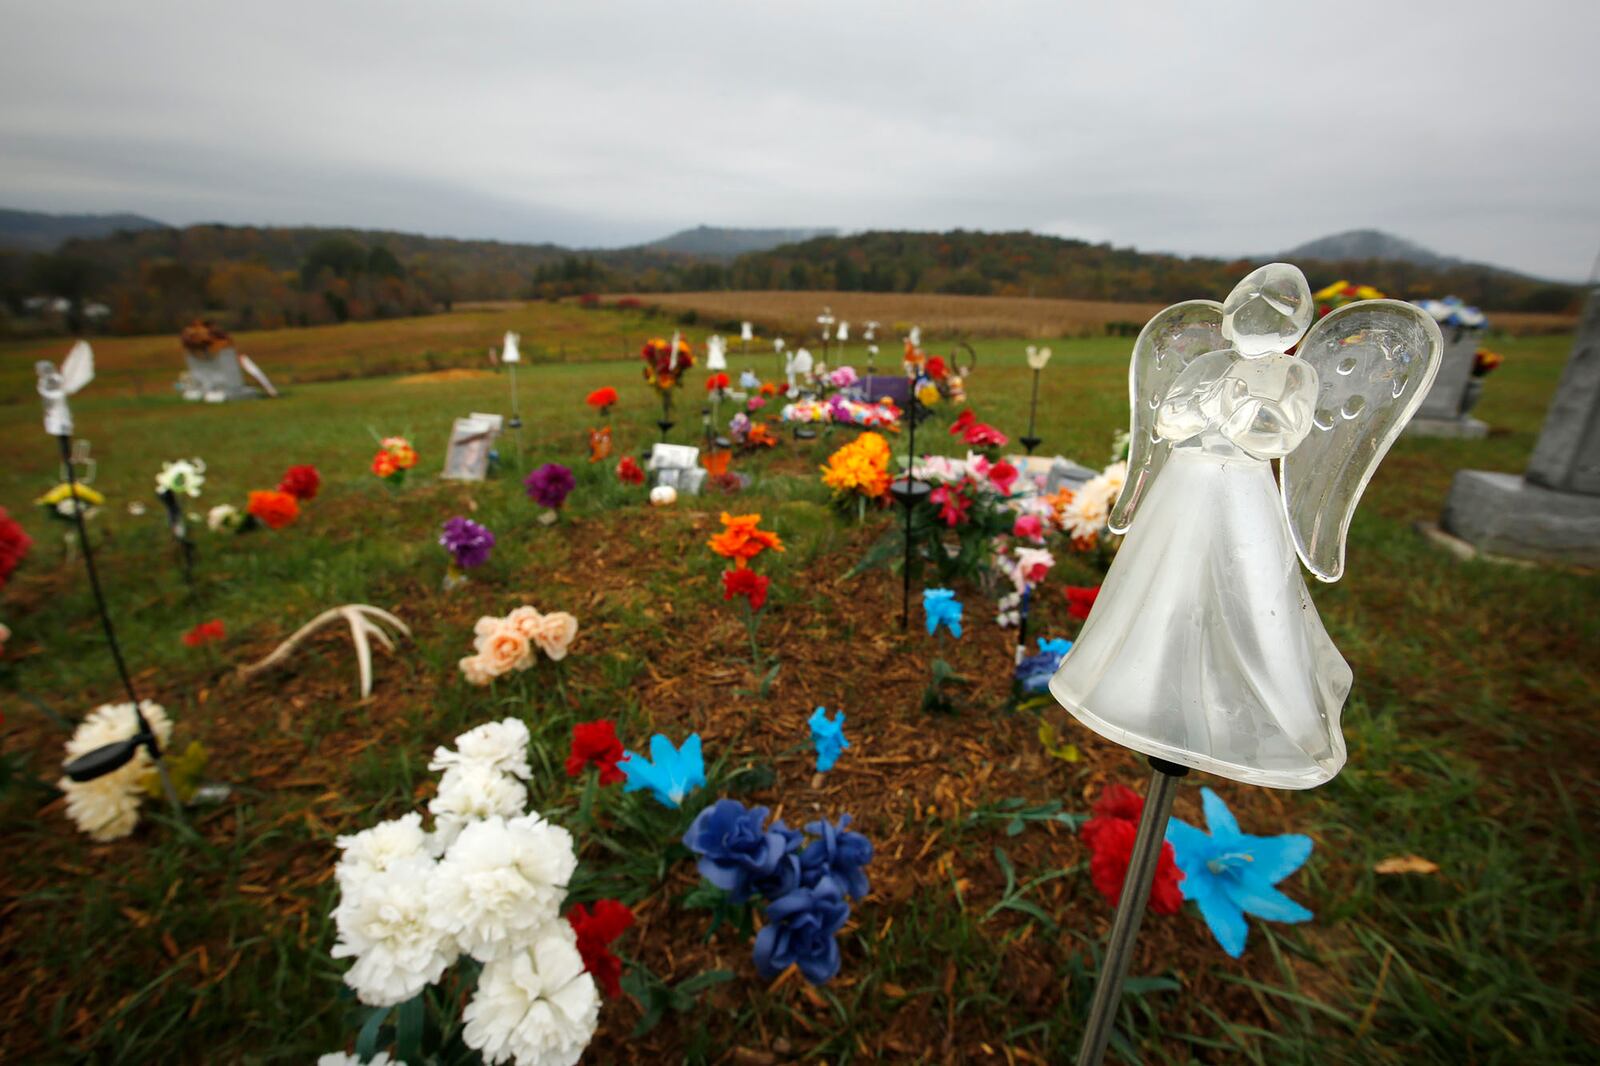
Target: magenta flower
[549,485]
[467,542]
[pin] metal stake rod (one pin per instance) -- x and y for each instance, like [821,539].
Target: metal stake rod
[1130,911]
[153,745]
[911,499]
[1031,442]
[516,419]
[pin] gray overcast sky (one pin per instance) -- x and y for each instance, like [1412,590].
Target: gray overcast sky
[1222,128]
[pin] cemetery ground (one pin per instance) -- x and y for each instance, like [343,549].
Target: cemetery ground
[1471,729]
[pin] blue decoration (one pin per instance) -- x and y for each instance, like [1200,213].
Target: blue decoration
[1034,672]
[941,607]
[736,849]
[800,929]
[671,774]
[828,736]
[1231,874]
[837,855]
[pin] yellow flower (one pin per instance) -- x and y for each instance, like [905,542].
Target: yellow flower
[860,466]
[928,395]
[1330,292]
[65,491]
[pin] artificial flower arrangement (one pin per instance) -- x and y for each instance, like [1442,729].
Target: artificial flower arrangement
[394,458]
[1085,515]
[717,386]
[273,508]
[941,609]
[1225,872]
[602,400]
[882,413]
[749,434]
[599,443]
[469,545]
[549,486]
[1033,672]
[1340,293]
[1024,568]
[741,542]
[1485,362]
[14,546]
[184,477]
[664,364]
[107,808]
[858,474]
[807,884]
[489,883]
[629,472]
[827,737]
[512,643]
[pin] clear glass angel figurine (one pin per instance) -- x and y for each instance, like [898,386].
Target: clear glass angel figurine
[1204,647]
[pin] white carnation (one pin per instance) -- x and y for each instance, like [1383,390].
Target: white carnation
[221,517]
[472,792]
[107,808]
[499,882]
[339,1058]
[182,478]
[1090,508]
[374,850]
[501,746]
[384,924]
[536,1007]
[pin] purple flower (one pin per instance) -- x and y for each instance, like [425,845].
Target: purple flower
[734,847]
[548,486]
[800,930]
[836,855]
[467,542]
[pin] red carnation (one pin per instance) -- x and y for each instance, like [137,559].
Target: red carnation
[1119,801]
[595,744]
[301,482]
[936,368]
[596,929]
[1080,599]
[982,435]
[602,398]
[205,633]
[716,381]
[14,544]
[1110,843]
[963,420]
[747,583]
[629,471]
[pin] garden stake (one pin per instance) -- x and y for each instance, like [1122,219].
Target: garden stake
[516,419]
[1130,910]
[910,502]
[104,760]
[1031,442]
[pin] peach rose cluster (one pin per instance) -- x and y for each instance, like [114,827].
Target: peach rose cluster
[511,643]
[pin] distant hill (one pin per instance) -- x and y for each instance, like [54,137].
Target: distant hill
[34,231]
[718,242]
[1361,244]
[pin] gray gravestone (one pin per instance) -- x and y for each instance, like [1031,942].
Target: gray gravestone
[1552,513]
[1444,410]
[215,378]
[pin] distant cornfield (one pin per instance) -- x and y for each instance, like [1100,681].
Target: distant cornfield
[794,314]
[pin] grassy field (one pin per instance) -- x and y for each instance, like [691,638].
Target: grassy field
[1474,688]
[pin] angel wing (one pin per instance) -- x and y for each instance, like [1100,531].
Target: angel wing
[1170,341]
[77,369]
[1375,360]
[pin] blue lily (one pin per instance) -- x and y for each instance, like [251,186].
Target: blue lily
[828,736]
[1231,874]
[941,607]
[1034,672]
[671,774]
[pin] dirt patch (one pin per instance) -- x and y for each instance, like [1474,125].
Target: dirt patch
[457,374]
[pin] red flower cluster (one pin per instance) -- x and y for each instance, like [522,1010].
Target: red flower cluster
[602,398]
[629,471]
[1110,835]
[596,929]
[747,583]
[301,482]
[1080,599]
[595,744]
[953,502]
[205,633]
[274,509]
[936,368]
[716,381]
[978,434]
[14,545]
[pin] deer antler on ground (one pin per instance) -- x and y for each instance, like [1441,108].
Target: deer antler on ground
[364,623]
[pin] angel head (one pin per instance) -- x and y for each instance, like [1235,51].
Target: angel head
[1219,376]
[77,370]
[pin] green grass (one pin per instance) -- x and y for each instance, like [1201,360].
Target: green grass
[1474,691]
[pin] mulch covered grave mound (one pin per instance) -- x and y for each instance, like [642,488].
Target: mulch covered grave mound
[913,784]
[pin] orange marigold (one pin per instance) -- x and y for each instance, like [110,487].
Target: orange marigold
[273,509]
[741,540]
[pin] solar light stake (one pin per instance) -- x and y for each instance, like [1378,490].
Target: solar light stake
[1130,910]
[1031,442]
[516,419]
[110,757]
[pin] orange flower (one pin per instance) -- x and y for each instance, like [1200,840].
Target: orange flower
[768,389]
[274,509]
[383,465]
[741,540]
[602,398]
[760,435]
[716,463]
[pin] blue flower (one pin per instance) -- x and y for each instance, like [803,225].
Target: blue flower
[673,772]
[828,736]
[736,850]
[836,855]
[1231,874]
[785,876]
[800,929]
[1034,672]
[941,608]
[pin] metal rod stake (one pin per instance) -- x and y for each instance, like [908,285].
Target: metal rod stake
[1130,911]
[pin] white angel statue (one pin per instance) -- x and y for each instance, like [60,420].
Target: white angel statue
[77,370]
[1204,648]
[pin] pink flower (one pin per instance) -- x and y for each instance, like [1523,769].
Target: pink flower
[1028,527]
[1003,475]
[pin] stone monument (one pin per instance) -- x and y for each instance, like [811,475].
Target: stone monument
[1446,409]
[215,371]
[1552,512]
